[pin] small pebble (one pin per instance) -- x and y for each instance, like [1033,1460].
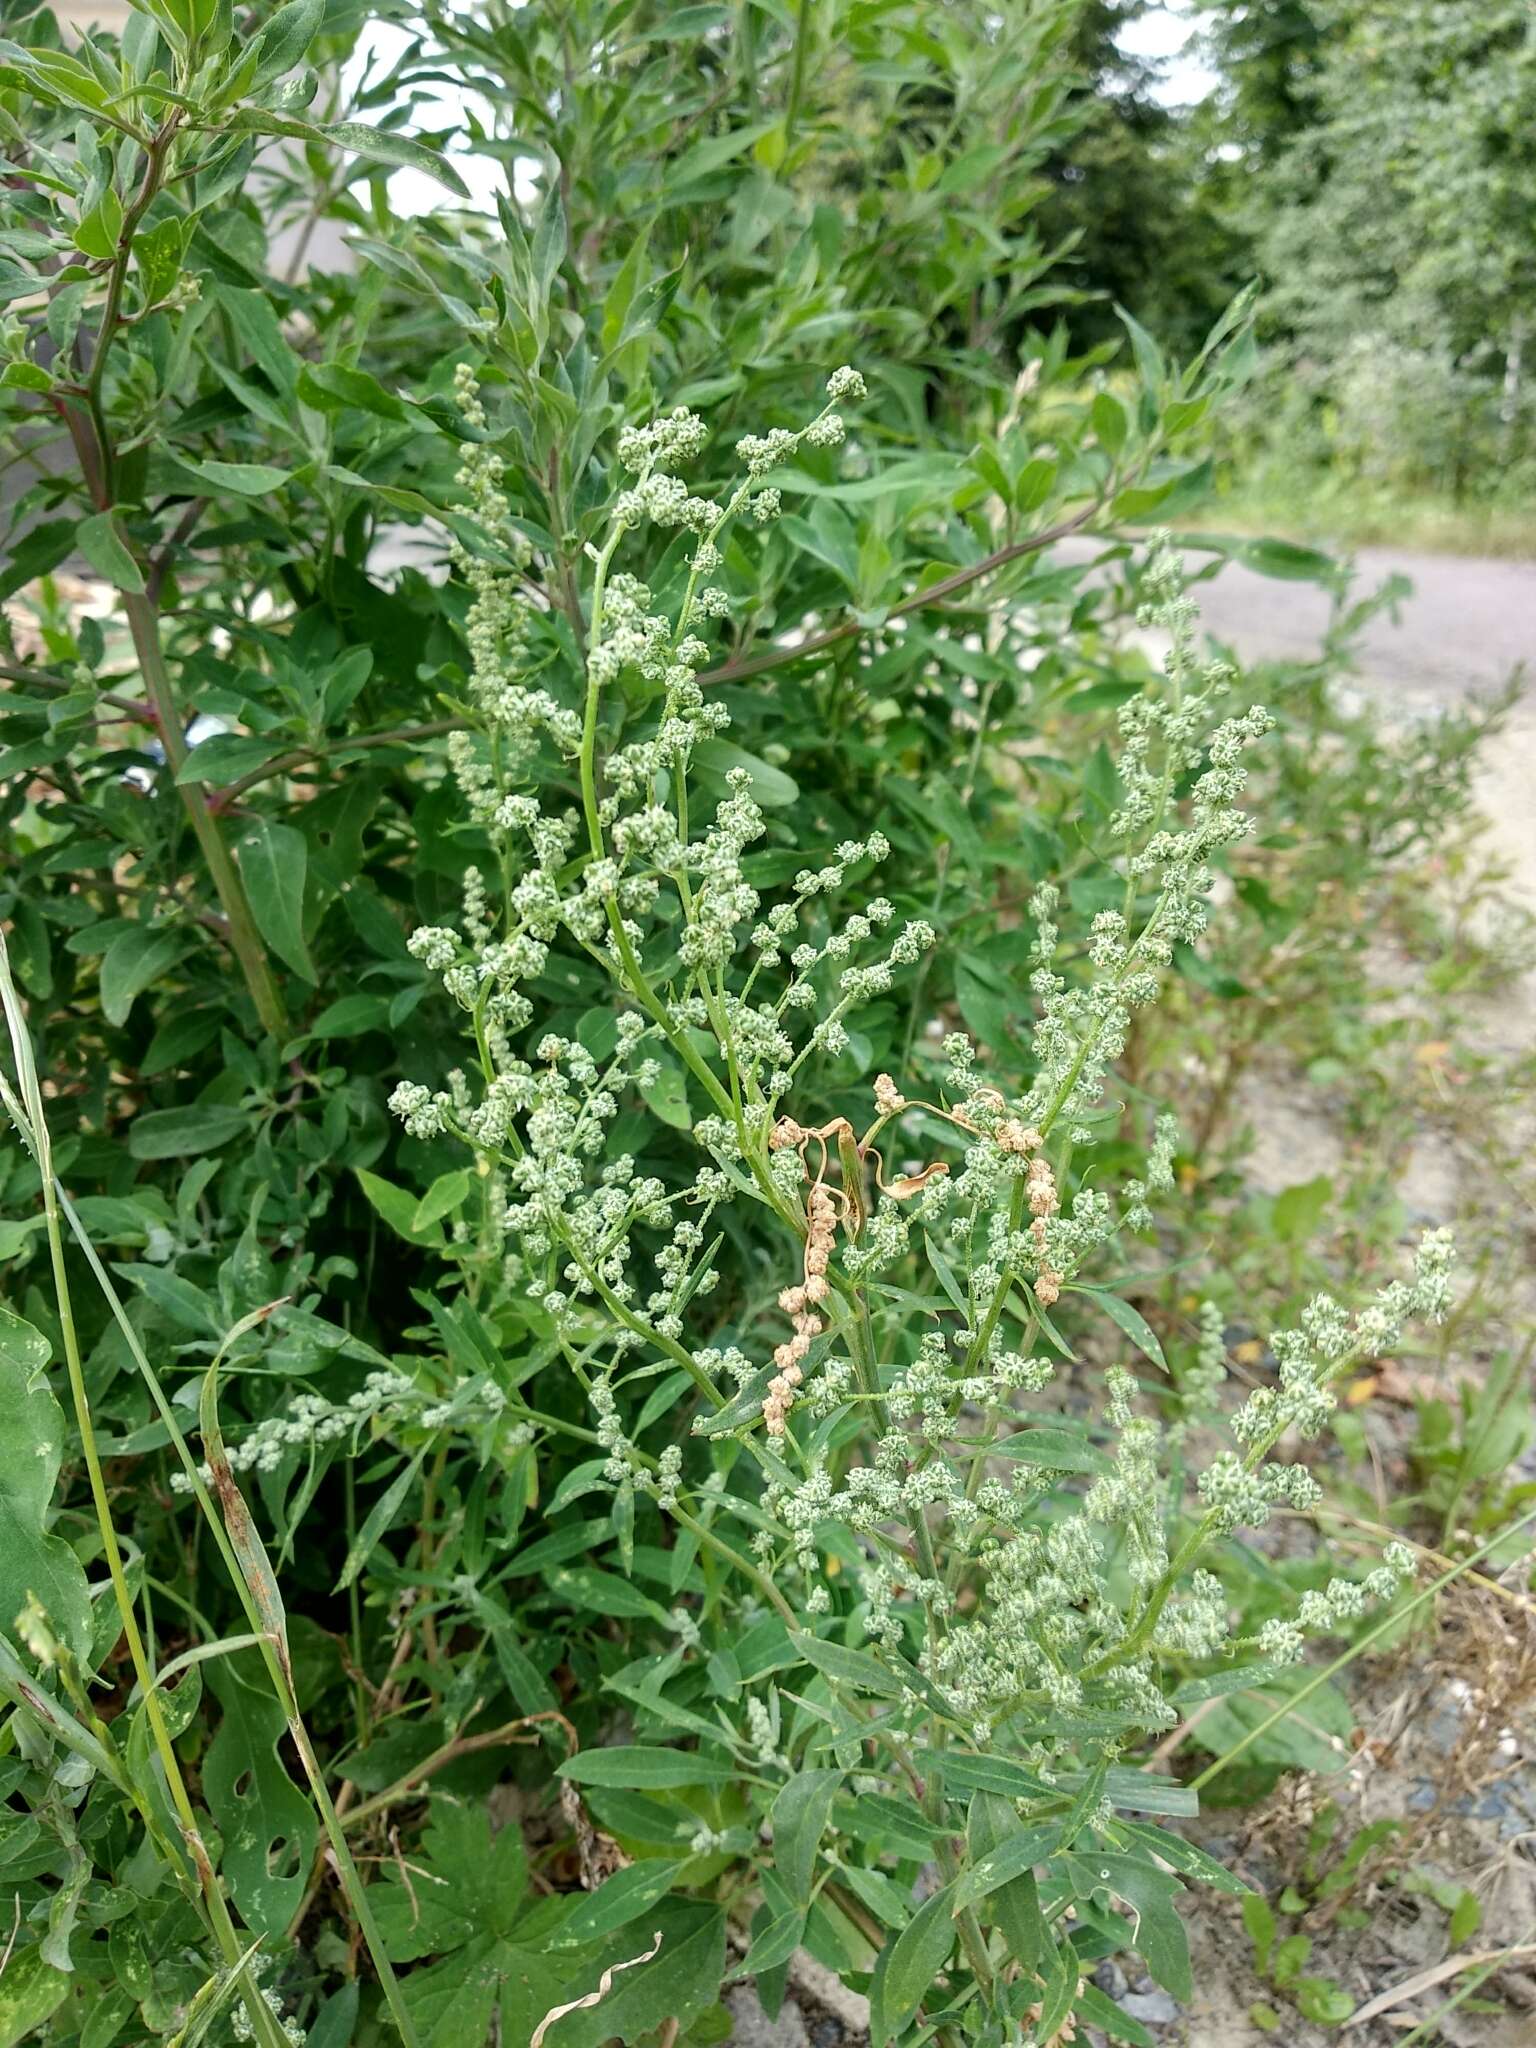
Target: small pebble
[1155,2008]
[1110,1978]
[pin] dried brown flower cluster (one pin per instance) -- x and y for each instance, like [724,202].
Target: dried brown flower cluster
[1043,1202]
[799,1303]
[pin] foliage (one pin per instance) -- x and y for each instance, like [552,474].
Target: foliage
[1389,222]
[525,806]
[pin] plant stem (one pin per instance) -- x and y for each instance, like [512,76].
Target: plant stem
[797,72]
[263,2020]
[930,594]
[144,624]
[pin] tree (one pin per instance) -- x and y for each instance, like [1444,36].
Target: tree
[1130,192]
[1395,225]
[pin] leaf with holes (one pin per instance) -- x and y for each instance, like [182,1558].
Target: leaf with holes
[268,1825]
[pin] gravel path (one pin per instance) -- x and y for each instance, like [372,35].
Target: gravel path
[1463,629]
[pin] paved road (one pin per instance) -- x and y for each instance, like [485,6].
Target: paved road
[1464,630]
[1467,625]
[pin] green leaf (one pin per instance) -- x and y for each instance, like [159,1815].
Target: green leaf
[678,1984]
[1037,479]
[1147,1792]
[383,146]
[332,387]
[549,240]
[34,1563]
[1298,1210]
[37,553]
[1020,1852]
[16,1235]
[22,1348]
[348,1016]
[777,1941]
[273,862]
[1466,1918]
[918,1954]
[850,1667]
[245,479]
[1102,2012]
[285,39]
[1054,1450]
[98,231]
[591,1590]
[1260,1923]
[194,1128]
[1288,562]
[667,1095]
[380,1517]
[31,1991]
[1186,1858]
[619,1900]
[268,1825]
[800,1815]
[134,960]
[1130,1320]
[107,552]
[1000,1774]
[1151,1894]
[1013,1907]
[1322,2001]
[448,1192]
[397,1206]
[638,1768]
[1109,422]
[475,1881]
[224,757]
[771,787]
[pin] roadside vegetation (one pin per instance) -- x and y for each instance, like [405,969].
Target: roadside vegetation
[741,1228]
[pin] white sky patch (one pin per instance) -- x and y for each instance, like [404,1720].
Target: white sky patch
[1169,33]
[446,106]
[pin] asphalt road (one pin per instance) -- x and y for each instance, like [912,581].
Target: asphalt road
[1465,628]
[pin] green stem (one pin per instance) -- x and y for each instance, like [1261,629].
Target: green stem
[33,1127]
[797,72]
[144,624]
[734,1557]
[263,2020]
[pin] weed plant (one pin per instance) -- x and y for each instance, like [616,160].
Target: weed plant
[593,1235]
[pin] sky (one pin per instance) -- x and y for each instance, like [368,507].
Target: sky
[1163,32]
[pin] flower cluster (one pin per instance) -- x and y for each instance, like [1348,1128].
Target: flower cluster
[1033,1576]
[1165,739]
[386,1401]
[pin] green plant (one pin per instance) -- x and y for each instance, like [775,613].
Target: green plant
[712,1390]
[1320,1896]
[867,1437]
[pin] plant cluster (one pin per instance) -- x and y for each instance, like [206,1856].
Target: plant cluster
[591,1201]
